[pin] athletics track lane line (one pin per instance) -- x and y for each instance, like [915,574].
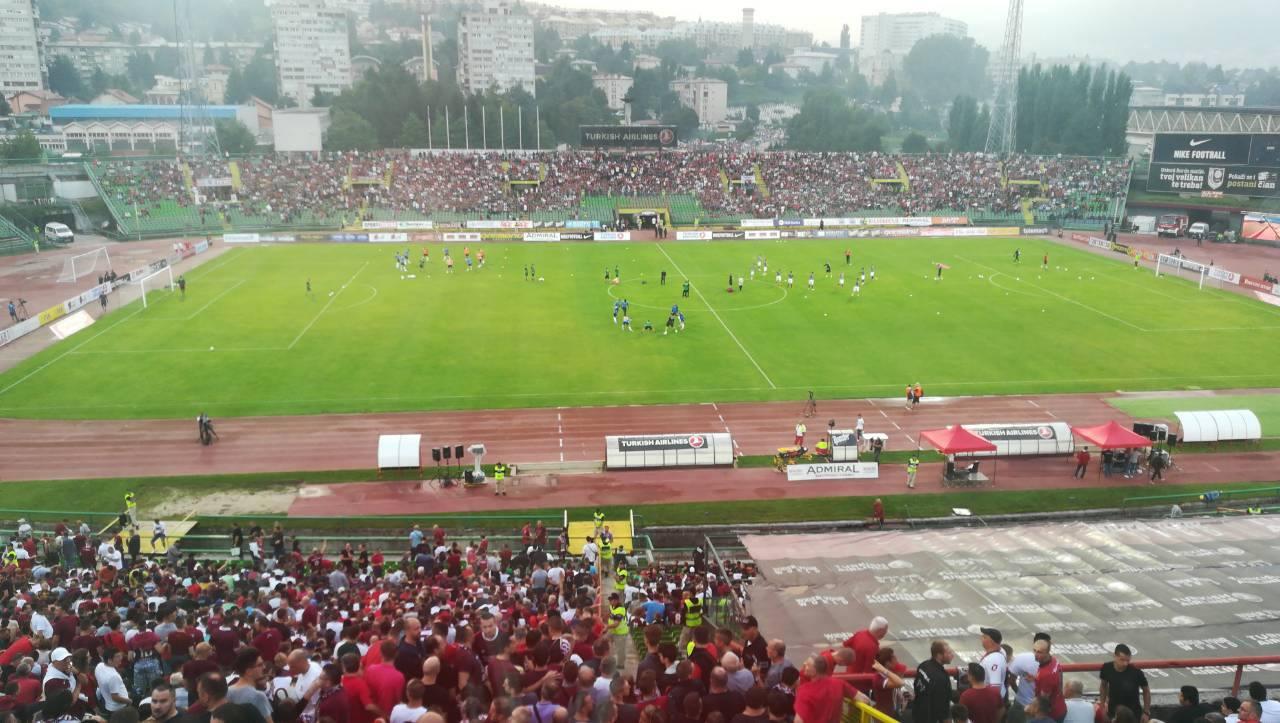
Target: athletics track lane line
[326,307]
[717,316]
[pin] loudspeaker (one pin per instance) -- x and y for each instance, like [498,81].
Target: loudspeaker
[458,452]
[1144,429]
[1172,440]
[435,454]
[448,451]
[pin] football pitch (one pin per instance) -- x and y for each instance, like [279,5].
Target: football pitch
[247,338]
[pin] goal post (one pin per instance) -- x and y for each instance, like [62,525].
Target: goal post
[1169,264]
[84,264]
[161,280]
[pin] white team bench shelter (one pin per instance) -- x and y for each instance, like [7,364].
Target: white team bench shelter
[1218,426]
[399,451]
[668,450]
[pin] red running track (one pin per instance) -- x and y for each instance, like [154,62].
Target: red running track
[34,449]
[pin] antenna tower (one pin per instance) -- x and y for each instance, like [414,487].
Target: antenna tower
[1004,111]
[196,136]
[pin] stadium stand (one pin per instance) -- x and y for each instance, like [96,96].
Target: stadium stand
[12,239]
[694,186]
[529,633]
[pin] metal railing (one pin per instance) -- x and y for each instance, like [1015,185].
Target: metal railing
[856,711]
[1184,497]
[1239,663]
[722,611]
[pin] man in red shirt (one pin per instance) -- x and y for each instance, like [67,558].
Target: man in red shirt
[386,684]
[268,638]
[866,644]
[1082,463]
[1048,680]
[821,699]
[363,709]
[981,699]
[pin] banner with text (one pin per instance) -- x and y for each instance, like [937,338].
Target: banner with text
[832,470]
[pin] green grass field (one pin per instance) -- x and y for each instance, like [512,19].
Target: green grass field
[248,340]
[1266,406]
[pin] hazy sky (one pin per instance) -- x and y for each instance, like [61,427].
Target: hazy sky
[1231,32]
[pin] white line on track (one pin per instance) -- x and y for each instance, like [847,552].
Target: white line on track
[895,425]
[560,431]
[326,306]
[712,309]
[1032,402]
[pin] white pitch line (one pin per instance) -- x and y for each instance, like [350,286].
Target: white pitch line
[196,313]
[326,306]
[1050,292]
[729,331]
[67,353]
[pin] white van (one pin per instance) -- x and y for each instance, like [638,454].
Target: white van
[55,232]
[1198,231]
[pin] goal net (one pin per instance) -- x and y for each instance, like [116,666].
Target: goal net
[84,264]
[156,285]
[1183,268]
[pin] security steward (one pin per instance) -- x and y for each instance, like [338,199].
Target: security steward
[620,576]
[500,479]
[619,630]
[606,556]
[131,507]
[692,609]
[598,518]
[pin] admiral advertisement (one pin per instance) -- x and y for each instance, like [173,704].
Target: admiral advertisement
[832,470]
[628,136]
[542,236]
[668,450]
[1224,179]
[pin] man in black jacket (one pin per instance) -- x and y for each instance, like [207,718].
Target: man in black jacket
[933,686]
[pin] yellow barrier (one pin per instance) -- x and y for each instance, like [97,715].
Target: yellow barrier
[858,712]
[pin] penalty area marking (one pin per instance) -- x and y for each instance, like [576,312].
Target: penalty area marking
[326,306]
[362,302]
[67,353]
[197,312]
[712,309]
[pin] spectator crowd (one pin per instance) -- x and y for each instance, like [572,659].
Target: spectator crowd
[322,188]
[464,631]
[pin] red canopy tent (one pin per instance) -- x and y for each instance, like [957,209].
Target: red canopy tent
[956,440]
[1111,436]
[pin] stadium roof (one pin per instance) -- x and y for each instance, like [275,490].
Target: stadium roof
[82,111]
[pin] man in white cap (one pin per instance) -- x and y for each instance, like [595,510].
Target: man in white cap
[59,676]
